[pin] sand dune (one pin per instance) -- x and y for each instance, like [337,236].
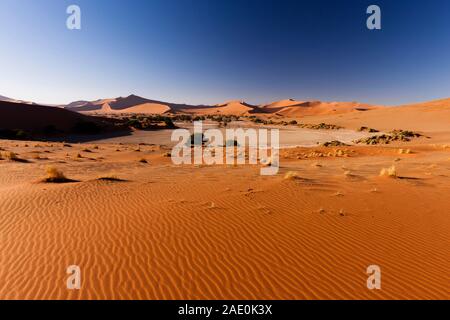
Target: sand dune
[287,108]
[228,108]
[292,108]
[35,117]
[131,104]
[6,99]
[431,117]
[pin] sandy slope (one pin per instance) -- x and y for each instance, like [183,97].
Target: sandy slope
[228,108]
[432,117]
[34,117]
[294,109]
[186,232]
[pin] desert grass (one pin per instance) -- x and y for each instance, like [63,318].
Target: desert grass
[292,175]
[404,151]
[54,175]
[11,156]
[390,172]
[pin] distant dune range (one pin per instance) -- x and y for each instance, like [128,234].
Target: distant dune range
[289,107]
[433,116]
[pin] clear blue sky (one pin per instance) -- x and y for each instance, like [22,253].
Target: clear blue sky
[210,51]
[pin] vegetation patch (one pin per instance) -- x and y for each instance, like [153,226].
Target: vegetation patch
[396,135]
[334,143]
[55,176]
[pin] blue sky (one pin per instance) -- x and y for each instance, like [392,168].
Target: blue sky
[210,51]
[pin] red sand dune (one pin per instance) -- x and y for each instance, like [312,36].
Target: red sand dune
[228,108]
[432,116]
[293,108]
[288,108]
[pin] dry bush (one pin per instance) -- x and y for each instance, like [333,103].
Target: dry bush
[11,156]
[55,176]
[291,175]
[390,172]
[404,151]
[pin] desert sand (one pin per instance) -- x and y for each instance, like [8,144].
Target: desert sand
[152,230]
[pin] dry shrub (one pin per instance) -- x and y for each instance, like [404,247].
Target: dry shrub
[292,175]
[390,172]
[11,156]
[404,151]
[55,176]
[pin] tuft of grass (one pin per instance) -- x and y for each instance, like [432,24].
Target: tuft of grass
[404,151]
[11,156]
[55,176]
[291,175]
[390,172]
[143,160]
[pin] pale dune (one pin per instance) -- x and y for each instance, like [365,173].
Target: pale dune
[431,117]
[282,104]
[234,107]
[145,108]
[290,108]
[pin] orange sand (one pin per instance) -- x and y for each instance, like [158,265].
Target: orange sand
[225,232]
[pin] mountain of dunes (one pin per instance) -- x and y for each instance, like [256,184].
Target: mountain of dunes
[135,104]
[289,108]
[130,104]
